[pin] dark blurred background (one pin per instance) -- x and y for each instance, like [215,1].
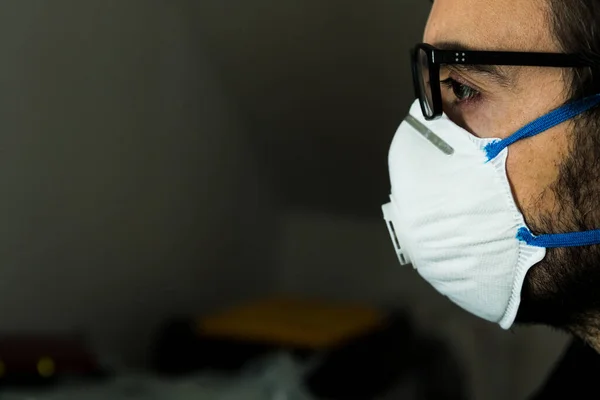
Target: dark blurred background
[164,157]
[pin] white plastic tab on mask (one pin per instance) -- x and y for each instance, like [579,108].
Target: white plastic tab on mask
[388,212]
[429,135]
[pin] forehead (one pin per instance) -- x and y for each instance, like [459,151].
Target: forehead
[519,25]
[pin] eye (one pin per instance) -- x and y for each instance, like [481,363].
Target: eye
[461,91]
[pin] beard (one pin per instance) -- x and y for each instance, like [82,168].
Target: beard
[563,290]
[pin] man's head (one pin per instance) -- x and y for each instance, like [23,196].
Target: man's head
[555,176]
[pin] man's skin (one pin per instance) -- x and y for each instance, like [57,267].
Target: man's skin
[518,25]
[533,165]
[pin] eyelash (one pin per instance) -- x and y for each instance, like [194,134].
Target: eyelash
[456,86]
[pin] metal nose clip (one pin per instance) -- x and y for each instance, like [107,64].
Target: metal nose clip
[388,212]
[430,135]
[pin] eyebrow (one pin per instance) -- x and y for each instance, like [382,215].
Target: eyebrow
[496,73]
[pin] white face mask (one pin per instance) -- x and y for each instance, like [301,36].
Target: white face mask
[452,214]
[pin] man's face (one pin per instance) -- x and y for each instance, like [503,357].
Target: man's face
[554,175]
[488,106]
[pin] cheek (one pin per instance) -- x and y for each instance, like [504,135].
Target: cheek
[533,166]
[501,112]
[489,119]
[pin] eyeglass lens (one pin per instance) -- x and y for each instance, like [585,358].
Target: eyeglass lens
[425,95]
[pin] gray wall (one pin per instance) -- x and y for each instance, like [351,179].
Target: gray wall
[324,85]
[129,190]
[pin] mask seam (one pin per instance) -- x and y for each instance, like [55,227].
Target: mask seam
[521,269]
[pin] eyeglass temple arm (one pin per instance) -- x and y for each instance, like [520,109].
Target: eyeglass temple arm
[512,58]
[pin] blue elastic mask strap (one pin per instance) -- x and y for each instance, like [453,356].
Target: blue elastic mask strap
[554,240]
[544,123]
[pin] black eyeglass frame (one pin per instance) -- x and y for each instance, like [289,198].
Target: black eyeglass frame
[437,57]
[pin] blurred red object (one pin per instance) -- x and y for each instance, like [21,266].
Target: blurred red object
[44,357]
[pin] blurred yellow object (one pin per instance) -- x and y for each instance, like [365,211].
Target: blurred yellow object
[309,324]
[45,367]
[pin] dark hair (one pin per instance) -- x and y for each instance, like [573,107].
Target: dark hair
[563,290]
[576,26]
